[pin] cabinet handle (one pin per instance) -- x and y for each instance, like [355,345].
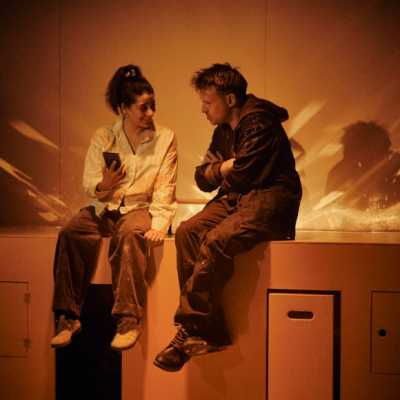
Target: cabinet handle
[294,314]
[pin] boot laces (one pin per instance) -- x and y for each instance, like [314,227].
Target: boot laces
[179,338]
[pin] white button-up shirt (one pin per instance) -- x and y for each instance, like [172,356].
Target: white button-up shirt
[150,179]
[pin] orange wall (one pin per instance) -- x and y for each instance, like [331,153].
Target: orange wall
[331,64]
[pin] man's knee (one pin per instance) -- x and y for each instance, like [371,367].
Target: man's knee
[228,242]
[184,229]
[217,237]
[213,246]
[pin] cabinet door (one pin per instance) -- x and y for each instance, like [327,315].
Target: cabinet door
[14,300]
[385,333]
[300,346]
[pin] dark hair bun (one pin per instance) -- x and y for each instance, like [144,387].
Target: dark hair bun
[131,71]
[126,84]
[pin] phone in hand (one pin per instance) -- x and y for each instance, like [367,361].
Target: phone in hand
[109,157]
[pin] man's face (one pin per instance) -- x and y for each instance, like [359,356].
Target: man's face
[214,106]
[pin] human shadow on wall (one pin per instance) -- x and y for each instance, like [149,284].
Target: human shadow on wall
[219,374]
[367,176]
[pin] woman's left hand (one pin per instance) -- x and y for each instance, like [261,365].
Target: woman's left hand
[154,237]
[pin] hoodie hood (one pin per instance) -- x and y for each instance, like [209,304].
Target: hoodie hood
[253,104]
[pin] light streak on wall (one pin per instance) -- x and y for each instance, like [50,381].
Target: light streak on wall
[48,207]
[304,116]
[31,133]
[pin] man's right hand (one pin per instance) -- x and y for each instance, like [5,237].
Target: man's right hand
[226,167]
[111,177]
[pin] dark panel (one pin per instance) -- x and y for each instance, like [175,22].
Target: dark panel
[88,368]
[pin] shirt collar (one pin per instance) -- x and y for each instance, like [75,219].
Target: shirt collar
[146,136]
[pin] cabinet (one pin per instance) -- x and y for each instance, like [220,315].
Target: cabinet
[385,332]
[14,311]
[300,346]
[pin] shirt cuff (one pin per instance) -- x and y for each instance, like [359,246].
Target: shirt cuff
[160,223]
[213,173]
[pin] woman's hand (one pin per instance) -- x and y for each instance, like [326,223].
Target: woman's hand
[154,237]
[111,177]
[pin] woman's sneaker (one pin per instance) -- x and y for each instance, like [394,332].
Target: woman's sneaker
[66,328]
[124,341]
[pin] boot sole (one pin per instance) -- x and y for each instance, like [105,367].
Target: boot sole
[200,348]
[166,367]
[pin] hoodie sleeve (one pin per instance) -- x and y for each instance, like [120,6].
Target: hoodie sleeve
[259,143]
[207,175]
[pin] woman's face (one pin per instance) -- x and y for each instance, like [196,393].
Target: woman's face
[140,113]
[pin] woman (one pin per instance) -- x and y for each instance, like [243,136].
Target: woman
[133,203]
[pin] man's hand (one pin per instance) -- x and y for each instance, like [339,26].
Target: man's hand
[154,237]
[226,167]
[111,177]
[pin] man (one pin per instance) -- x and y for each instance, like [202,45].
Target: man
[251,163]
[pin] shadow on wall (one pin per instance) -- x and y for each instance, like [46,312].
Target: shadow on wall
[367,176]
[362,192]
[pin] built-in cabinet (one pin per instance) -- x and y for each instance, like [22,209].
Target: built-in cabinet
[300,346]
[14,317]
[385,332]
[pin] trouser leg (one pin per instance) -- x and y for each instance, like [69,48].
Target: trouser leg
[128,259]
[75,261]
[258,216]
[189,240]
[190,235]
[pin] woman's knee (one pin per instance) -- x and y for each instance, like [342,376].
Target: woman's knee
[134,233]
[67,231]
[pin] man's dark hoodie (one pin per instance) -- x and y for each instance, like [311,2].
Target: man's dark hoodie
[261,148]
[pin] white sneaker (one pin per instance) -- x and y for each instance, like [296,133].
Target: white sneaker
[124,341]
[65,329]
